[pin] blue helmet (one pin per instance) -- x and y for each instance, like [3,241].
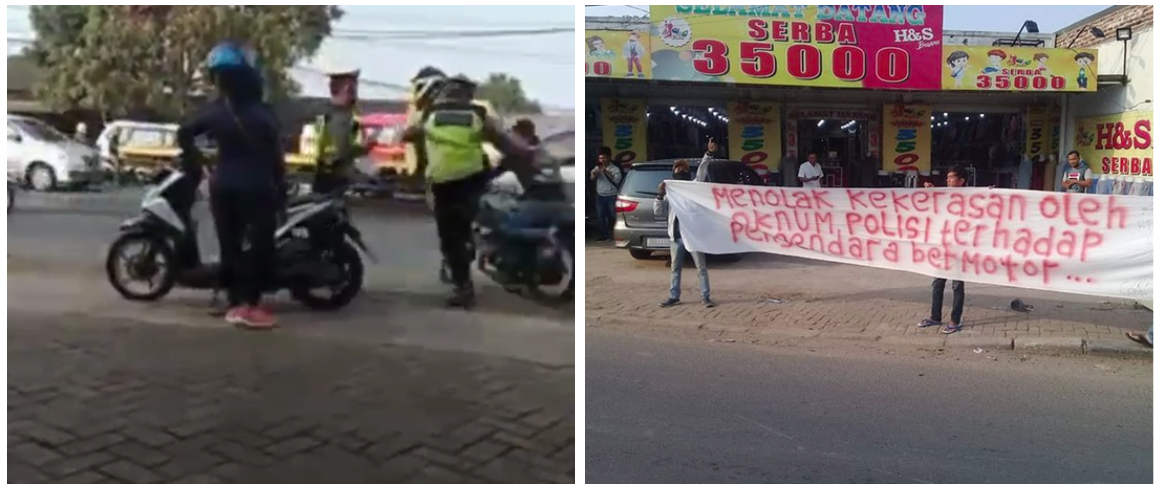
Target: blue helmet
[235,70]
[230,56]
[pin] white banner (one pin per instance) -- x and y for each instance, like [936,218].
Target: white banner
[1077,243]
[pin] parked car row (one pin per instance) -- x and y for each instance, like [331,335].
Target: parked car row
[44,159]
[638,229]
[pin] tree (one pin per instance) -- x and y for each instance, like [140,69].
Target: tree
[506,94]
[115,59]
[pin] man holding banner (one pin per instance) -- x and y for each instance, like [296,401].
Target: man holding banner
[681,172]
[938,287]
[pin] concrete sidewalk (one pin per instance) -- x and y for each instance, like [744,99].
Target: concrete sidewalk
[103,400]
[774,299]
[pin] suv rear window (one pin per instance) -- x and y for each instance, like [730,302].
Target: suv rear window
[644,181]
[733,173]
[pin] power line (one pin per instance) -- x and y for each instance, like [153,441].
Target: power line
[545,58]
[361,81]
[425,34]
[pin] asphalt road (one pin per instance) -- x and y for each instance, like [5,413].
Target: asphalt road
[662,411]
[56,264]
[75,240]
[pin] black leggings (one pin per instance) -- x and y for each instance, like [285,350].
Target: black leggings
[456,203]
[245,217]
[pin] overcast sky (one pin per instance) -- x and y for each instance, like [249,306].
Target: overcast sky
[545,63]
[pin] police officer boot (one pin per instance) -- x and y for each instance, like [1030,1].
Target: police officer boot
[462,297]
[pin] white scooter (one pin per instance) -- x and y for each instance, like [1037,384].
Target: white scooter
[317,248]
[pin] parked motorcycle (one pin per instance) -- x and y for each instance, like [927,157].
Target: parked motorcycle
[316,255]
[524,240]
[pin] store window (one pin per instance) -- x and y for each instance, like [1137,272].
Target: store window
[987,145]
[685,131]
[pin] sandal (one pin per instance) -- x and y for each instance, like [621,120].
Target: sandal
[928,323]
[1139,338]
[951,328]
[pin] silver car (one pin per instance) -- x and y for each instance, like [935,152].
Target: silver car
[640,230]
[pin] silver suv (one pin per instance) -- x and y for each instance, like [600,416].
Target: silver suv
[638,228]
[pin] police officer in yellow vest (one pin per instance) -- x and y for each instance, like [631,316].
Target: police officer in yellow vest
[453,131]
[340,138]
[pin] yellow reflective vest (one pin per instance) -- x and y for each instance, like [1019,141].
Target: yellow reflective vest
[325,149]
[453,137]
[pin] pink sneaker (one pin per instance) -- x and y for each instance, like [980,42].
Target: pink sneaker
[258,318]
[236,315]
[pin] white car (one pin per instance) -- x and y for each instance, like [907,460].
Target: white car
[47,159]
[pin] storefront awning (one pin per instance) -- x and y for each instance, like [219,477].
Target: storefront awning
[692,93]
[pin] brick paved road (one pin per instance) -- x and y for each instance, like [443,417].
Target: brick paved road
[838,299]
[110,401]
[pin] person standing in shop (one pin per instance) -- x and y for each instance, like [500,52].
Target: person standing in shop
[810,173]
[1077,176]
[608,178]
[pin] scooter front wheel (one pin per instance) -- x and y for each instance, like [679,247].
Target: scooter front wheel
[347,259]
[155,264]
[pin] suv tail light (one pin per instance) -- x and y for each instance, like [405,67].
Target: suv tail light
[623,206]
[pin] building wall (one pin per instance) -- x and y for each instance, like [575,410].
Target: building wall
[988,38]
[1136,95]
[1134,16]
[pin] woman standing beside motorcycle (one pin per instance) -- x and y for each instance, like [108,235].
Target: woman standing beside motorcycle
[247,185]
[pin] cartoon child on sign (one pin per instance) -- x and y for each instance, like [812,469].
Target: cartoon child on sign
[1084,60]
[957,63]
[633,50]
[1041,62]
[597,48]
[996,57]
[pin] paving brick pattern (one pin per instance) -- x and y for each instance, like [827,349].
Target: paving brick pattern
[835,299]
[107,403]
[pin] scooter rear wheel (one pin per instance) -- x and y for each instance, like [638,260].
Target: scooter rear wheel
[120,262]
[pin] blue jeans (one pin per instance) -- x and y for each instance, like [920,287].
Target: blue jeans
[678,251]
[958,293]
[605,215]
[1149,335]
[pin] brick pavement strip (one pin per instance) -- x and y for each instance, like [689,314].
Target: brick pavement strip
[106,401]
[777,299]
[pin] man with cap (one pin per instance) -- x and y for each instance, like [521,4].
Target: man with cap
[340,138]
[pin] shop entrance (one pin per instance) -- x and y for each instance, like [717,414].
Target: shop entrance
[835,142]
[843,141]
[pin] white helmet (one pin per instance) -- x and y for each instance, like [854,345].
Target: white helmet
[338,69]
[427,88]
[428,83]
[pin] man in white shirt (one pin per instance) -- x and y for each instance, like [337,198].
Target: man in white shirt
[710,155]
[810,173]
